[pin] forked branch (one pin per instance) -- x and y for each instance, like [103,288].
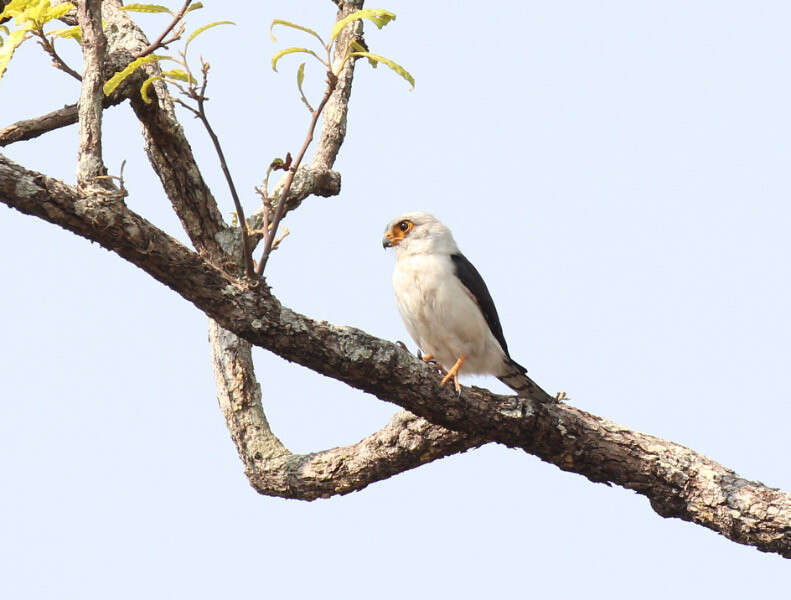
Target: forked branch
[678,481]
[270,229]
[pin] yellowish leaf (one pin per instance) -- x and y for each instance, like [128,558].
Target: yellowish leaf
[119,77]
[393,65]
[11,43]
[379,16]
[147,8]
[178,74]
[71,33]
[293,26]
[282,53]
[144,88]
[200,30]
[56,12]
[300,79]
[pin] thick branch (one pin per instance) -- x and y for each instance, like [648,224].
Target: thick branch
[167,147]
[407,441]
[677,481]
[89,161]
[63,117]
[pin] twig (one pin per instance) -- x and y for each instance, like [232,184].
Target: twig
[280,238]
[49,48]
[270,232]
[158,42]
[200,98]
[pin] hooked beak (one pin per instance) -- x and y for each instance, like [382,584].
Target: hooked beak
[388,241]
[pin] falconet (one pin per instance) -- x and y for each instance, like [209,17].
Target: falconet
[445,304]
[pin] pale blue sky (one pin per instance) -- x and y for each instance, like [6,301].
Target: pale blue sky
[617,171]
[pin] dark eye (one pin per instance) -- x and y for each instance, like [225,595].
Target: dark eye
[403,226]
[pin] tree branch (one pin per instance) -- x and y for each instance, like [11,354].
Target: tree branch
[158,42]
[90,165]
[317,178]
[59,63]
[677,481]
[270,231]
[407,441]
[32,128]
[167,147]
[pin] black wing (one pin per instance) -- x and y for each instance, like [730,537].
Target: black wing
[473,281]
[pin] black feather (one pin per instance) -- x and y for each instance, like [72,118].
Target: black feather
[473,281]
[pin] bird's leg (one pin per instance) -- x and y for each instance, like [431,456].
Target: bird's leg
[453,372]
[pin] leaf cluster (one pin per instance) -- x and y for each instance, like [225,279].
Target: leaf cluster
[30,17]
[378,16]
[173,76]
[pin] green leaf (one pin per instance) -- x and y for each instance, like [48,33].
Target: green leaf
[282,53]
[144,88]
[195,6]
[116,79]
[71,33]
[147,8]
[293,26]
[393,65]
[200,30]
[11,43]
[178,74]
[379,16]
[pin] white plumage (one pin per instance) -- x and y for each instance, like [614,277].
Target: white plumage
[445,304]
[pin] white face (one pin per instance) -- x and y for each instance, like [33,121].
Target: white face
[418,233]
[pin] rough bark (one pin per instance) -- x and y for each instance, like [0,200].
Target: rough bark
[170,155]
[89,157]
[166,145]
[677,481]
[407,441]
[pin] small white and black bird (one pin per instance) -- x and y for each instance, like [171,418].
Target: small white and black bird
[445,304]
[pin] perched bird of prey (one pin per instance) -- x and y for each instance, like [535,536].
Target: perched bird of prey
[445,304]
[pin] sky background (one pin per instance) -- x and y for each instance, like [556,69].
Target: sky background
[618,172]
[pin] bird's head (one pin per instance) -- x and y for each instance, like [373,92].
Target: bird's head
[418,232]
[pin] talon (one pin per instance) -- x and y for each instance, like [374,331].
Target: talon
[454,373]
[402,345]
[560,397]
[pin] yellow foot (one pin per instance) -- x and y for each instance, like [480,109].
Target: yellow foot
[454,373]
[427,357]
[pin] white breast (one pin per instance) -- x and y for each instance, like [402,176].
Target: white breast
[442,316]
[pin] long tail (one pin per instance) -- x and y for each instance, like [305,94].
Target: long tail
[515,378]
